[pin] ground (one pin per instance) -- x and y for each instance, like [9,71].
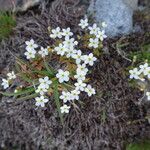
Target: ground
[107,121]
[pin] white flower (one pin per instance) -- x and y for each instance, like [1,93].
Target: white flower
[78,57]
[89,90]
[71,52]
[64,109]
[94,29]
[104,25]
[83,23]
[30,53]
[80,76]
[101,35]
[143,68]
[134,74]
[66,32]
[56,33]
[148,96]
[61,49]
[31,45]
[75,95]
[41,89]
[43,52]
[5,83]
[40,101]
[94,42]
[62,75]
[82,68]
[11,75]
[15,91]
[65,96]
[89,59]
[45,82]
[80,86]
[70,42]
[44,85]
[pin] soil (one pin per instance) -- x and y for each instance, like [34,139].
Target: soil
[107,121]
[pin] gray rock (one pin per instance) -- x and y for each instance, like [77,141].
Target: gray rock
[116,13]
[17,5]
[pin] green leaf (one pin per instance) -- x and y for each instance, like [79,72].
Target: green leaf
[56,97]
[145,145]
[42,72]
[25,78]
[49,69]
[27,97]
[25,91]
[7,23]
[67,86]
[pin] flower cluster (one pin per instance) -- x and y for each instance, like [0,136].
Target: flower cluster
[141,73]
[66,46]
[97,32]
[30,49]
[99,35]
[10,77]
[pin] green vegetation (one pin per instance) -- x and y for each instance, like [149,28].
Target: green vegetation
[7,22]
[139,146]
[142,55]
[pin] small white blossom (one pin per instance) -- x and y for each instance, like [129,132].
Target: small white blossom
[75,95]
[11,75]
[41,89]
[83,23]
[67,32]
[94,42]
[146,72]
[61,49]
[62,75]
[80,86]
[80,76]
[143,68]
[94,29]
[15,91]
[78,57]
[43,52]
[104,25]
[65,96]
[56,33]
[148,96]
[40,101]
[101,35]
[89,59]
[71,52]
[31,45]
[70,42]
[45,82]
[65,109]
[89,90]
[82,68]
[5,83]
[134,74]
[30,53]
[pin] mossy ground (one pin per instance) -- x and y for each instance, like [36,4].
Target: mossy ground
[7,23]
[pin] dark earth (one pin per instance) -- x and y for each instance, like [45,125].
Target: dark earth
[107,121]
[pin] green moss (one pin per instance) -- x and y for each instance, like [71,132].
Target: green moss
[139,146]
[141,56]
[7,22]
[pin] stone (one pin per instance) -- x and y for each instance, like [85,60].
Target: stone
[116,13]
[17,5]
